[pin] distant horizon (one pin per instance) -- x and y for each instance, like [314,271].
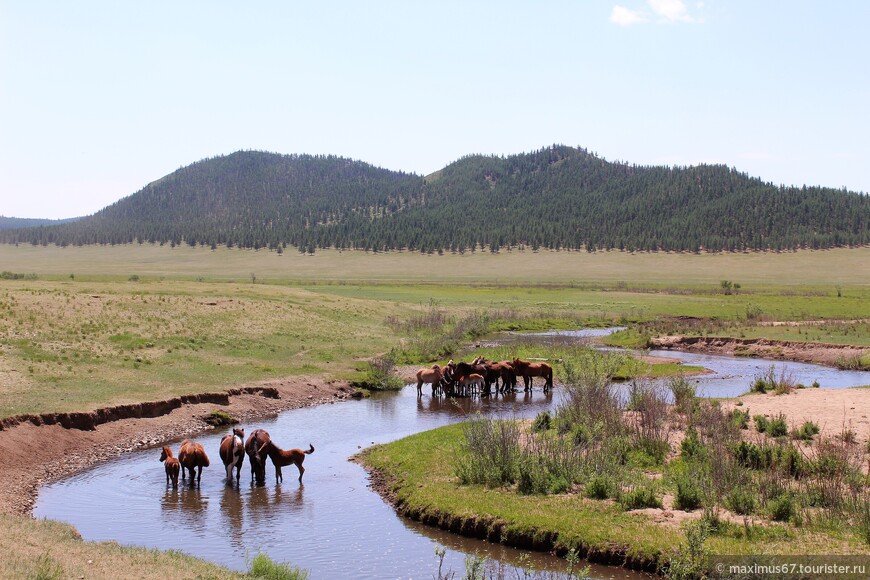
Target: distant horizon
[99,98]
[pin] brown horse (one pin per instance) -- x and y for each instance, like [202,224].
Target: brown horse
[171,465]
[508,376]
[255,448]
[432,376]
[192,456]
[232,453]
[281,458]
[528,370]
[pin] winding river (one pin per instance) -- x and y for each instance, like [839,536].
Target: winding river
[332,525]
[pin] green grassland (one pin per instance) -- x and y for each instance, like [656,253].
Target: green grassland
[93,326]
[104,325]
[823,269]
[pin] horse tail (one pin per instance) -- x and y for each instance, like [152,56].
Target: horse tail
[310,451]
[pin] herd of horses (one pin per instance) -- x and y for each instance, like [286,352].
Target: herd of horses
[464,379]
[452,380]
[233,448]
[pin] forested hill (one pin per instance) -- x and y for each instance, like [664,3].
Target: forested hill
[558,197]
[9,223]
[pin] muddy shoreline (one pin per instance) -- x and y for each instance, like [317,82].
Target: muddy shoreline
[831,355]
[40,449]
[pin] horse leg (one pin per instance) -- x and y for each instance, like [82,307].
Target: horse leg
[419,387]
[301,471]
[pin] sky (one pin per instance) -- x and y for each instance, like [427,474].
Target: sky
[98,99]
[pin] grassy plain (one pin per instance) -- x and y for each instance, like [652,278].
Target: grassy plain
[107,325]
[823,269]
[110,325]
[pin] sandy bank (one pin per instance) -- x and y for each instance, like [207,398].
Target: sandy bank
[37,449]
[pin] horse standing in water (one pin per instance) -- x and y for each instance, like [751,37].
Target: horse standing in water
[192,456]
[432,376]
[528,370]
[255,447]
[232,453]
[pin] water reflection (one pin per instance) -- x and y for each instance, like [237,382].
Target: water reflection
[233,515]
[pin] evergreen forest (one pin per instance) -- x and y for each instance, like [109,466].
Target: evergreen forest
[558,197]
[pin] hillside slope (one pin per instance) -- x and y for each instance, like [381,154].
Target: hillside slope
[557,197]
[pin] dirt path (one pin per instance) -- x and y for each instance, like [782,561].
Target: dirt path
[32,455]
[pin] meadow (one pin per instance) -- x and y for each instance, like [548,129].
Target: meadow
[93,326]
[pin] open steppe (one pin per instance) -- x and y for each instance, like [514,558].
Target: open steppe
[101,326]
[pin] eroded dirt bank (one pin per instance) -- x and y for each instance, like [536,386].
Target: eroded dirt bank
[805,352]
[36,449]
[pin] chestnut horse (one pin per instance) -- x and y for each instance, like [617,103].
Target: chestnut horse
[432,376]
[281,458]
[172,466]
[192,456]
[255,448]
[527,370]
[232,452]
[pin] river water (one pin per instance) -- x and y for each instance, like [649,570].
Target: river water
[333,525]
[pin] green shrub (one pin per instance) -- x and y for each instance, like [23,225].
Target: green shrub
[380,375]
[600,487]
[740,500]
[777,426]
[689,495]
[761,423]
[739,418]
[648,453]
[642,496]
[806,431]
[782,508]
[543,422]
[532,476]
[684,394]
[691,447]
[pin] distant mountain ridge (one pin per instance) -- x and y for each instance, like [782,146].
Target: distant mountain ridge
[557,197]
[10,223]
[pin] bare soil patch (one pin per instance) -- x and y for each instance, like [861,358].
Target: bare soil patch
[35,454]
[833,410]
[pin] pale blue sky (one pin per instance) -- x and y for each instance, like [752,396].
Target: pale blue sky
[99,98]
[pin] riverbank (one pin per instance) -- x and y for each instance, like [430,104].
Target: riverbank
[35,454]
[416,475]
[832,355]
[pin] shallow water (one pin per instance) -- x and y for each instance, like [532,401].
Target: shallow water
[333,525]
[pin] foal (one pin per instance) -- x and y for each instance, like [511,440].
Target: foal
[282,458]
[171,465]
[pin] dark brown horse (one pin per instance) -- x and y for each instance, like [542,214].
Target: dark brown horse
[232,452]
[528,370]
[255,447]
[192,456]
